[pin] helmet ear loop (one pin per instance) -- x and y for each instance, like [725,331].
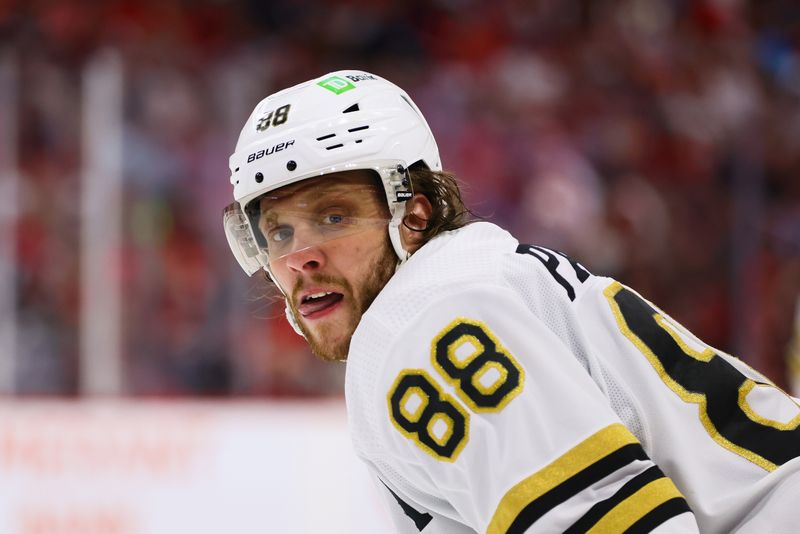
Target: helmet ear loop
[416,219]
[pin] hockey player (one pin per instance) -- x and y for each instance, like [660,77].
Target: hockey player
[493,386]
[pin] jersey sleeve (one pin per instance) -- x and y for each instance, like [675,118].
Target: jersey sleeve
[409,517]
[484,411]
[727,436]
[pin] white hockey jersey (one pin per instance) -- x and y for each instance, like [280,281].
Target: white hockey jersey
[497,387]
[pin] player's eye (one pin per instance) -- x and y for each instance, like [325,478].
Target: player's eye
[280,234]
[333,219]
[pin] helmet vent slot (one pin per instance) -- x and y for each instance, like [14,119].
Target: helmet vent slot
[407,101]
[340,145]
[352,108]
[358,128]
[326,137]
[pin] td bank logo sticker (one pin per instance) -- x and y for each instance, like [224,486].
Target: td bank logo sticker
[337,85]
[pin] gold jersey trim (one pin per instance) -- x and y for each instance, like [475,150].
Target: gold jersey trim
[584,455]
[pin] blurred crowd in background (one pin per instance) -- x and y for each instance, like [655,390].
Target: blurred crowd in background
[656,141]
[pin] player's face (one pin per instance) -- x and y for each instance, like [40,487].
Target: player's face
[330,253]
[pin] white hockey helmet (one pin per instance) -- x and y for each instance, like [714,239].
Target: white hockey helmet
[344,120]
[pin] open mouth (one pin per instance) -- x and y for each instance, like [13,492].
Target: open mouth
[315,304]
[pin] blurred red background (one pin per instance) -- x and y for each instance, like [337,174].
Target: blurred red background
[656,141]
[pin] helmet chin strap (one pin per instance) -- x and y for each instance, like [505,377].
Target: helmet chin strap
[394,234]
[287,310]
[292,320]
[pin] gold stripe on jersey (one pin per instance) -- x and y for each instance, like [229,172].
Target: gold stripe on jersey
[629,511]
[575,461]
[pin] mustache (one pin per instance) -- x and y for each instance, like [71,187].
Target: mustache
[318,278]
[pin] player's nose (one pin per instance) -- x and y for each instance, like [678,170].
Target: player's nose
[305,258]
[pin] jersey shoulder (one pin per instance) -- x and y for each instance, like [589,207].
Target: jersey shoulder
[554,268]
[448,413]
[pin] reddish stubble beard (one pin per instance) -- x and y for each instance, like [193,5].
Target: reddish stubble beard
[332,342]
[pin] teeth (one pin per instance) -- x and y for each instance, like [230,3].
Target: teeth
[318,295]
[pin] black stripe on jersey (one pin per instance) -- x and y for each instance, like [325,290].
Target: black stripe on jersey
[575,484]
[600,509]
[552,262]
[420,519]
[640,500]
[660,514]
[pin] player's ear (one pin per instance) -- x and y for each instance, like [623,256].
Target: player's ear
[415,222]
